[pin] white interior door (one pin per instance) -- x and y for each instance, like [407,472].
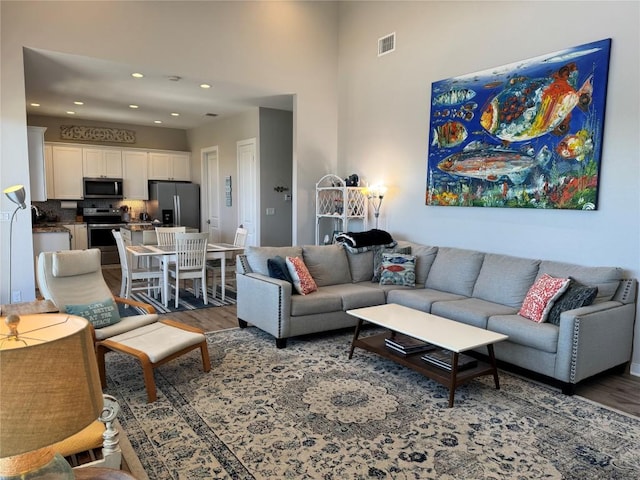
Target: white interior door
[248,190]
[210,162]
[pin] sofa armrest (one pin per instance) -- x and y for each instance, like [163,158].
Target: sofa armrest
[264,302]
[594,339]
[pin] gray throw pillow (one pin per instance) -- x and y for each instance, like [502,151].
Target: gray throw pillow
[577,295]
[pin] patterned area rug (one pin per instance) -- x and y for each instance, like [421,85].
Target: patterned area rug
[187,301]
[307,412]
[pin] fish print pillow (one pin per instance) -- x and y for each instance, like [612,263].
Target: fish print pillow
[398,269]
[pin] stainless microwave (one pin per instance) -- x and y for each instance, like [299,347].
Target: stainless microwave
[103,188]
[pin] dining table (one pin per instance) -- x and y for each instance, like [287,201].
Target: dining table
[215,251]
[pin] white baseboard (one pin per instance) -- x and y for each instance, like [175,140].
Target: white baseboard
[635,369]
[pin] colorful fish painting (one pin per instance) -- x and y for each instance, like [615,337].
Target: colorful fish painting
[523,135]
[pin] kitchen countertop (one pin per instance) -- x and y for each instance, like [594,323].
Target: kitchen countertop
[50,229]
[140,227]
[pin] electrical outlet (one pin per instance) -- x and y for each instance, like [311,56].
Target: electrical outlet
[271,211]
[5,216]
[16,296]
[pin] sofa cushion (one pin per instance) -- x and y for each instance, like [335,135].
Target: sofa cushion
[420,299]
[576,296]
[398,269]
[327,264]
[278,269]
[258,256]
[472,311]
[607,279]
[541,297]
[317,302]
[425,256]
[356,296]
[455,270]
[360,265]
[302,279]
[521,331]
[505,279]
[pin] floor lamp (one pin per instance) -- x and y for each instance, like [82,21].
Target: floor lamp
[17,195]
[375,194]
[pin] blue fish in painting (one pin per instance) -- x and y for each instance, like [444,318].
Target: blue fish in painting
[529,108]
[492,163]
[453,97]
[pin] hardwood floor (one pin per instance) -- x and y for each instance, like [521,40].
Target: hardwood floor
[616,390]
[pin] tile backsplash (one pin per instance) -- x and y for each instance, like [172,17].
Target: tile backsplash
[54,212]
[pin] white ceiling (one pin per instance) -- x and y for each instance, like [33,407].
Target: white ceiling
[56,80]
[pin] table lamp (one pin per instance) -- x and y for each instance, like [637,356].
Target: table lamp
[49,390]
[375,194]
[17,195]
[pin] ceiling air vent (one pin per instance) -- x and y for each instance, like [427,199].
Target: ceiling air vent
[210,114]
[387,44]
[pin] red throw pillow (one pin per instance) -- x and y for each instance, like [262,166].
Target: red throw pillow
[541,297]
[302,279]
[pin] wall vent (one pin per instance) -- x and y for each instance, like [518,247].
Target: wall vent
[387,44]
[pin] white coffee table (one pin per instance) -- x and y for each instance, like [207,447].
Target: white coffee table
[451,335]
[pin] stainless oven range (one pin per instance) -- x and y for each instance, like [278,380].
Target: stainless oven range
[100,222]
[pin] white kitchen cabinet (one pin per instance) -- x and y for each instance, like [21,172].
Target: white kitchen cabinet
[102,162]
[79,238]
[66,163]
[134,175]
[48,170]
[37,172]
[175,166]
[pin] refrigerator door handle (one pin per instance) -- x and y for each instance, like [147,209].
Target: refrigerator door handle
[176,208]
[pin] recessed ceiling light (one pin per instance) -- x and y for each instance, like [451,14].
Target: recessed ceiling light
[175,114]
[78,103]
[34,104]
[157,121]
[137,75]
[205,85]
[71,113]
[133,106]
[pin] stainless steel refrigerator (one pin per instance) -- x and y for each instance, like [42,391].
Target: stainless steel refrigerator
[175,203]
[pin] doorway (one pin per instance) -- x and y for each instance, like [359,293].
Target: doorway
[248,190]
[211,175]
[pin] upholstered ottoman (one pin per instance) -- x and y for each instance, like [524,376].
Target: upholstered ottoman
[154,345]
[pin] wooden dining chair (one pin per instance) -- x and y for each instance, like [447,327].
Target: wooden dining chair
[191,253]
[135,278]
[167,235]
[213,266]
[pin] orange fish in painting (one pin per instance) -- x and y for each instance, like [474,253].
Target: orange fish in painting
[529,108]
[449,134]
[576,146]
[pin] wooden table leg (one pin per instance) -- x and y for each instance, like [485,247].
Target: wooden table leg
[355,337]
[454,378]
[492,361]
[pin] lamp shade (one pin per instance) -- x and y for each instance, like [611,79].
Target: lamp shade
[17,195]
[49,382]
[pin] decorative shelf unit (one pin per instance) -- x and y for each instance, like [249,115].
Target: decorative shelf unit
[337,206]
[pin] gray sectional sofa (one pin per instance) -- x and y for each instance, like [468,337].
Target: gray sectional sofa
[481,289]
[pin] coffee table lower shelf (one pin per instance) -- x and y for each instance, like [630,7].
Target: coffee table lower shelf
[451,379]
